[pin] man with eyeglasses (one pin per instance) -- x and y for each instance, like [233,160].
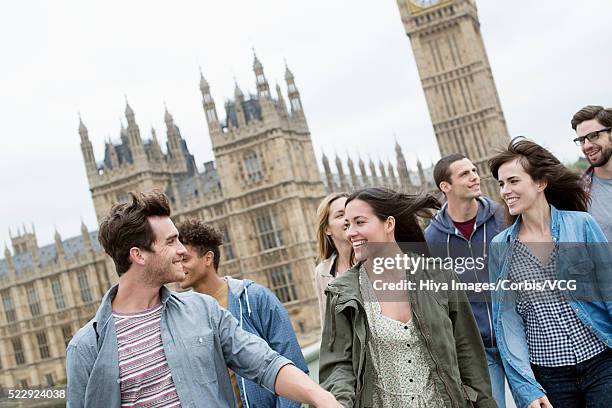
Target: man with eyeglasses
[593,126]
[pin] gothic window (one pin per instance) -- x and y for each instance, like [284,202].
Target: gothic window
[268,228]
[18,351]
[43,346]
[228,250]
[280,280]
[9,306]
[67,334]
[261,79]
[252,164]
[84,286]
[292,88]
[58,293]
[33,300]
[49,379]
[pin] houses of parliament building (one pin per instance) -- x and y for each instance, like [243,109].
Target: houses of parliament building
[261,191]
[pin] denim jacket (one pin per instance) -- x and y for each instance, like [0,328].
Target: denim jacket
[200,341]
[575,260]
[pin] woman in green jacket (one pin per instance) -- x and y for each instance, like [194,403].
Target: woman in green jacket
[387,342]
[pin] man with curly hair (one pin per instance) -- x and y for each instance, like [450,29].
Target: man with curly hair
[256,308]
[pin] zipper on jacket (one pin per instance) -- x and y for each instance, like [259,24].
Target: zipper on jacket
[489,313]
[425,336]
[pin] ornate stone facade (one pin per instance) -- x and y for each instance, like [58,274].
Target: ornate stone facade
[457,80]
[262,191]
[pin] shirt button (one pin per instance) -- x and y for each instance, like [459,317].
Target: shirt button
[408,345]
[200,340]
[410,380]
[410,361]
[406,327]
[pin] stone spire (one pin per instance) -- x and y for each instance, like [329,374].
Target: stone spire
[210,110]
[352,172]
[341,176]
[402,169]
[87,149]
[328,174]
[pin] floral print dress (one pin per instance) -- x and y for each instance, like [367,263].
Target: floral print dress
[403,375]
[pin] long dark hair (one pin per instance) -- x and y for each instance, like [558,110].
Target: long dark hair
[405,208]
[564,188]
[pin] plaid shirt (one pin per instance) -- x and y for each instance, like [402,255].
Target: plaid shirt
[587,179]
[555,335]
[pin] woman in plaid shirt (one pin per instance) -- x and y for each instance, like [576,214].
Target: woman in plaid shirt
[555,343]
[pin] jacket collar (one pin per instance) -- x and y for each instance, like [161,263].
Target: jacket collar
[443,222]
[554,225]
[346,286]
[106,309]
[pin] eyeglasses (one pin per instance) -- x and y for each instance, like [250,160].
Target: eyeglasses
[593,136]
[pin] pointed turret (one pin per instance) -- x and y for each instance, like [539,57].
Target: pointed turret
[364,175]
[238,101]
[421,174]
[383,173]
[87,149]
[210,110]
[263,89]
[133,134]
[374,181]
[85,235]
[352,172]
[156,151]
[341,176]
[59,245]
[294,94]
[391,176]
[8,257]
[177,157]
[328,174]
[282,107]
[402,169]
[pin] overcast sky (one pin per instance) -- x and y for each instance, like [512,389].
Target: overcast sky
[352,62]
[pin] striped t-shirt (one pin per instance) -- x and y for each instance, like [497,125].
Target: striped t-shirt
[146,380]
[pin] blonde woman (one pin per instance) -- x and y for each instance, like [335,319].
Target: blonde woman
[335,250]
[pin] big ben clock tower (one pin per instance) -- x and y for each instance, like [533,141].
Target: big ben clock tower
[457,80]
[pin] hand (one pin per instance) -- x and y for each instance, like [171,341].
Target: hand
[541,402]
[327,400]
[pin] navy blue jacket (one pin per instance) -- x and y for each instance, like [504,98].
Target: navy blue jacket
[446,241]
[259,311]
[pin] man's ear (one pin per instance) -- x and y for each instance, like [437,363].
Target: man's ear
[209,258]
[136,256]
[445,186]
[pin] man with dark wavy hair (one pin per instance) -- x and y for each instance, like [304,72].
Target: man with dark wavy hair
[593,126]
[256,308]
[148,346]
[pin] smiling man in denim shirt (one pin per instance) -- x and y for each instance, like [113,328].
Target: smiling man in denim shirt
[150,346]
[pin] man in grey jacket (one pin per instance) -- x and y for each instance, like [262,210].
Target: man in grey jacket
[149,346]
[462,231]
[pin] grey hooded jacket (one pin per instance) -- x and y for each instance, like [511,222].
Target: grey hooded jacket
[201,340]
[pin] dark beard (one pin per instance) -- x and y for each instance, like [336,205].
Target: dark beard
[606,153]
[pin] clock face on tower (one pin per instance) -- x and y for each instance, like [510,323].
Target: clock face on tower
[425,3]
